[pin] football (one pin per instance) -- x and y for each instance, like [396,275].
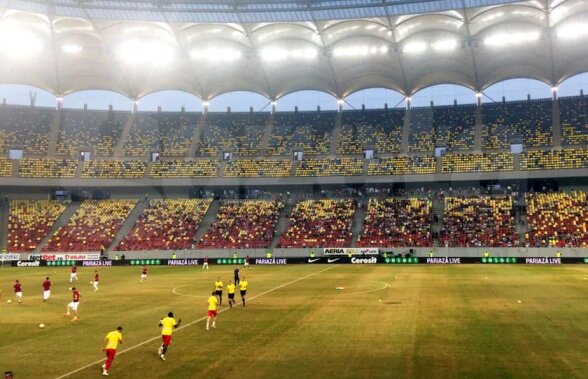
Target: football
[9,301]
[41,326]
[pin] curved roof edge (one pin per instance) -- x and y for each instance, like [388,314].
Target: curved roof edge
[244,11]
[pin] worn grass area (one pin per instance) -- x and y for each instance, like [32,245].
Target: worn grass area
[441,322]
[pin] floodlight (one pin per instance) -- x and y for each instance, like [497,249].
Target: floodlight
[71,49]
[135,52]
[18,43]
[508,39]
[414,47]
[445,45]
[572,31]
[214,54]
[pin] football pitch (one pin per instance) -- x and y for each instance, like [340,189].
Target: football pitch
[306,321]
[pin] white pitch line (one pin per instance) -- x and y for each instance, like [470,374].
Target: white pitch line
[191,323]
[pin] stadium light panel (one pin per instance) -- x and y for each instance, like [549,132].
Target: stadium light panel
[205,103]
[216,55]
[135,52]
[510,39]
[414,47]
[71,49]
[445,45]
[272,54]
[572,31]
[18,43]
[359,51]
[340,101]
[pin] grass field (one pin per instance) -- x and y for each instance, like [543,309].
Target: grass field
[431,322]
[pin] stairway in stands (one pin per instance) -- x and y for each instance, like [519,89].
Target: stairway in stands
[438,210]
[128,224]
[358,220]
[61,221]
[4,210]
[207,220]
[283,221]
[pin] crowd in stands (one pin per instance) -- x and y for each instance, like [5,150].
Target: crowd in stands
[47,168]
[483,162]
[557,219]
[258,168]
[25,128]
[574,120]
[144,136]
[238,133]
[402,165]
[478,221]
[93,131]
[528,122]
[422,136]
[455,126]
[309,132]
[94,224]
[330,167]
[29,221]
[5,167]
[243,224]
[113,169]
[176,132]
[393,222]
[371,129]
[168,224]
[554,159]
[320,223]
[201,168]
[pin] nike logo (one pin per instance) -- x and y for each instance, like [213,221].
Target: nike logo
[333,260]
[313,260]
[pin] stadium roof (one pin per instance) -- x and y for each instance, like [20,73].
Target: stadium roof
[278,47]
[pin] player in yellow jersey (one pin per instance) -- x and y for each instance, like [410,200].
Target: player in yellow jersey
[212,312]
[167,324]
[218,288]
[111,342]
[231,293]
[243,288]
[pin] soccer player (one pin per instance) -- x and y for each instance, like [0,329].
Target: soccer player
[167,324]
[143,275]
[46,289]
[236,276]
[18,291]
[95,282]
[246,265]
[231,293]
[205,264]
[74,273]
[218,288]
[243,288]
[212,303]
[73,306]
[111,342]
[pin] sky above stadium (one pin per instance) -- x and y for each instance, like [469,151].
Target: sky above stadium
[515,89]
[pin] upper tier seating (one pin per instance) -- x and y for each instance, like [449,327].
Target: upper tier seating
[47,168]
[373,129]
[93,131]
[527,122]
[422,135]
[454,126]
[320,223]
[238,133]
[478,221]
[201,168]
[402,166]
[113,169]
[144,136]
[5,167]
[557,219]
[169,224]
[309,132]
[393,222]
[243,224]
[94,224]
[258,168]
[25,128]
[330,167]
[486,162]
[554,159]
[574,120]
[29,221]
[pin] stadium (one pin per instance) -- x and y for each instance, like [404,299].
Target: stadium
[391,207]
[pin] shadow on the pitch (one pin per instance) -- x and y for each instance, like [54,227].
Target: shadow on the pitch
[392,302]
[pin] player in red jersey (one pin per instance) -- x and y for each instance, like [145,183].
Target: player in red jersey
[73,306]
[18,291]
[74,273]
[246,265]
[205,264]
[143,275]
[95,282]
[46,289]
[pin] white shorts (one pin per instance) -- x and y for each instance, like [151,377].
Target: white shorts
[46,294]
[143,276]
[205,264]
[246,264]
[73,275]
[73,305]
[18,294]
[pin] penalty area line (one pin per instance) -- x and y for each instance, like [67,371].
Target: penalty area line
[192,323]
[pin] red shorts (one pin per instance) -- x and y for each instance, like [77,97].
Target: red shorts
[211,313]
[166,340]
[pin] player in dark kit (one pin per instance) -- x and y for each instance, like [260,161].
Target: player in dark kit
[236,278]
[46,289]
